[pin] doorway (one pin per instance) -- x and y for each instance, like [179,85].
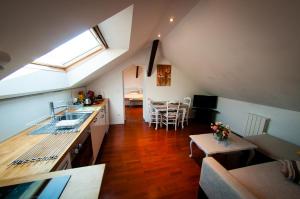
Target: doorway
[133,77]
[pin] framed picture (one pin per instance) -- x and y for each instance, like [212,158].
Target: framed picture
[163,75]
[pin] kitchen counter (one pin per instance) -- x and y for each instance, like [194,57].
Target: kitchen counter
[85,182]
[15,146]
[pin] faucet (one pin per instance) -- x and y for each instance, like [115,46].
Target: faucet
[52,108]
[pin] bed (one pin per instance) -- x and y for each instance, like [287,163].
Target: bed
[134,98]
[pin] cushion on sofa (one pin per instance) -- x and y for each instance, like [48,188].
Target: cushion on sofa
[291,170]
[266,181]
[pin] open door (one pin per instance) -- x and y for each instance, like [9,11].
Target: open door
[133,92]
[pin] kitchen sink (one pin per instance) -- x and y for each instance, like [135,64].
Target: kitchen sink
[68,122]
[71,116]
[70,119]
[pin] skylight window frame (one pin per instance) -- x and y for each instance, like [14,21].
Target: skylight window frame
[72,62]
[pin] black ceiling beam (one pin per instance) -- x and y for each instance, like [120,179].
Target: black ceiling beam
[152,57]
[137,72]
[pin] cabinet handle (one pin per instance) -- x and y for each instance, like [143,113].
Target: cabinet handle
[66,165]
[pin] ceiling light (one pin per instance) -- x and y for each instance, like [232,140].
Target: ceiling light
[158,35]
[171,19]
[4,59]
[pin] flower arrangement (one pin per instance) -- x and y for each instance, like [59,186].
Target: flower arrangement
[221,131]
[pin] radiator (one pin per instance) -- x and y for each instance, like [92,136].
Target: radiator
[256,124]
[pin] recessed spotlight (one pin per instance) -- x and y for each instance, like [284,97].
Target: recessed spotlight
[4,59]
[158,35]
[171,19]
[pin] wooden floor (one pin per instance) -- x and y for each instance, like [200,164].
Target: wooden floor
[144,163]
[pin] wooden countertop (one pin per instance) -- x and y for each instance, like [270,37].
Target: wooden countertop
[85,182]
[15,146]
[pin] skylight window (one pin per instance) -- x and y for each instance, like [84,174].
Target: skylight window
[72,51]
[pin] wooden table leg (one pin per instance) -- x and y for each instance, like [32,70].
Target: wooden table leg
[156,118]
[191,149]
[183,116]
[251,155]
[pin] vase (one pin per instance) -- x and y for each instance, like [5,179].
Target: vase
[219,137]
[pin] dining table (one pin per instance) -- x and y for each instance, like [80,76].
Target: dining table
[161,107]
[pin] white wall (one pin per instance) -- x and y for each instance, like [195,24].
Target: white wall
[181,86]
[130,80]
[92,65]
[244,50]
[17,114]
[284,123]
[117,29]
[111,85]
[33,82]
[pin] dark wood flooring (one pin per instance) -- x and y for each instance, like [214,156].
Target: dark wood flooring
[144,163]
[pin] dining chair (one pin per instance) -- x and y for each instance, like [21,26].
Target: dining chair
[187,104]
[171,114]
[152,114]
[187,101]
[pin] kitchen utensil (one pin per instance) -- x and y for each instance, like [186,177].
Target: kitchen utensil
[75,100]
[87,101]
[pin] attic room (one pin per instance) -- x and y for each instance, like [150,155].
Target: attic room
[150,99]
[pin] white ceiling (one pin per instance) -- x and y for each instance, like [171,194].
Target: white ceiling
[29,81]
[31,28]
[245,50]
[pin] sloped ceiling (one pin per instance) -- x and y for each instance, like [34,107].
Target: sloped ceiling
[32,28]
[149,19]
[245,50]
[32,80]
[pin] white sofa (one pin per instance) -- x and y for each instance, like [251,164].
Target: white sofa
[274,147]
[257,181]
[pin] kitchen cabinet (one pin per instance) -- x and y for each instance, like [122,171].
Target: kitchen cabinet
[84,154]
[106,118]
[98,129]
[65,163]
[76,152]
[80,147]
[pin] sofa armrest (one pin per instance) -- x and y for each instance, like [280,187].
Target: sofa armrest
[218,183]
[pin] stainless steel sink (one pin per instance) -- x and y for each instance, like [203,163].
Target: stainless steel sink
[71,116]
[51,127]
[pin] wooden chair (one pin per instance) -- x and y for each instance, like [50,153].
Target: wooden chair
[152,114]
[171,115]
[187,103]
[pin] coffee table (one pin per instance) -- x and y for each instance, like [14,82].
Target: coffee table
[210,146]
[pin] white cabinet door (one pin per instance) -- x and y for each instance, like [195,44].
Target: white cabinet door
[97,133]
[106,118]
[65,163]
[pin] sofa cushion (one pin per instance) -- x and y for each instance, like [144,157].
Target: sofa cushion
[291,170]
[266,181]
